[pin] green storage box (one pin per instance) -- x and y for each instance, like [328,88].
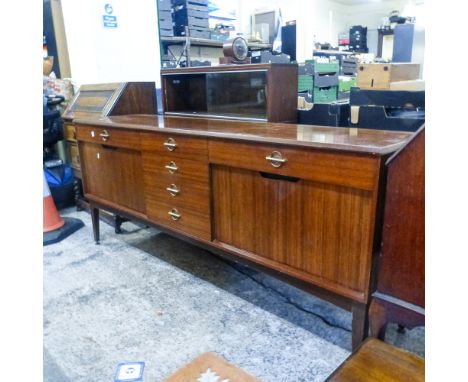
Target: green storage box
[325,95]
[346,85]
[324,67]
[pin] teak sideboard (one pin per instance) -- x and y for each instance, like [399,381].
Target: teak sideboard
[300,202]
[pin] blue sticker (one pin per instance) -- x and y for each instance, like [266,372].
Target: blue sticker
[109,21]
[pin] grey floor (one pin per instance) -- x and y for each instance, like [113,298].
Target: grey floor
[145,296]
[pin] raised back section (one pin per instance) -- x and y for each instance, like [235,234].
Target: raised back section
[260,92]
[101,100]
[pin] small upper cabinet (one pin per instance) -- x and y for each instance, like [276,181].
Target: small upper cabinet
[260,92]
[101,100]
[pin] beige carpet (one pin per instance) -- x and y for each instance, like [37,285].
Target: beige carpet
[210,368]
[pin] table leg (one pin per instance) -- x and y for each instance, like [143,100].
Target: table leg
[95,221]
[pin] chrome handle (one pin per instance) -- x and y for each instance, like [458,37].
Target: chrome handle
[173,189]
[174,214]
[276,159]
[171,167]
[104,135]
[170,144]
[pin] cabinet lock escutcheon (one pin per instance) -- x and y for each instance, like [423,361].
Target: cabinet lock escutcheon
[171,167]
[104,135]
[170,144]
[174,214]
[173,190]
[276,159]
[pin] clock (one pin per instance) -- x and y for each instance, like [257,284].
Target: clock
[235,52]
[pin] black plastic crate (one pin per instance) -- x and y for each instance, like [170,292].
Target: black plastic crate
[326,114]
[181,19]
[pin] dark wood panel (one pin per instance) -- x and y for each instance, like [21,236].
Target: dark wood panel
[321,229]
[282,93]
[113,174]
[343,169]
[109,137]
[376,361]
[136,98]
[401,272]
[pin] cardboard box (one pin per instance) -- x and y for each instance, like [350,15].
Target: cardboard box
[380,76]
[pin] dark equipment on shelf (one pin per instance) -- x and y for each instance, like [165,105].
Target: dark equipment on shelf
[288,40]
[52,126]
[268,57]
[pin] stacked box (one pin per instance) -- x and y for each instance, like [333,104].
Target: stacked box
[349,66]
[320,80]
[346,83]
[166,26]
[194,15]
[358,39]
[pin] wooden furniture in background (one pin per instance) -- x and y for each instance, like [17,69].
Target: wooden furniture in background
[377,361]
[99,100]
[399,296]
[300,202]
[266,92]
[381,76]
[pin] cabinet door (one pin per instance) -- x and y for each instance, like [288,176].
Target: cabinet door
[113,174]
[319,232]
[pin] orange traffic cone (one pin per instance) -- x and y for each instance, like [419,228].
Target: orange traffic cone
[52,219]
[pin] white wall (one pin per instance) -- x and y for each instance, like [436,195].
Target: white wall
[129,52]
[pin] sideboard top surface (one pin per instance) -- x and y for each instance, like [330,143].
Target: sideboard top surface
[369,141]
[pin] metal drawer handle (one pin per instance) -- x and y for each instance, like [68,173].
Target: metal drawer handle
[104,135]
[174,214]
[276,159]
[172,167]
[173,189]
[170,144]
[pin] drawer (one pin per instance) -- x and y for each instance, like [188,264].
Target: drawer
[108,136]
[176,168]
[345,169]
[74,155]
[175,146]
[69,132]
[183,193]
[185,221]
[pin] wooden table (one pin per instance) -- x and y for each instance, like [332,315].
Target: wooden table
[377,361]
[299,202]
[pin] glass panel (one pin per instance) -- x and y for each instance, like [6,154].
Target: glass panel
[92,101]
[241,94]
[225,94]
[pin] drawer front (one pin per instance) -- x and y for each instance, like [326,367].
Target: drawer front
[70,132]
[176,146]
[175,168]
[182,220]
[326,167]
[182,193]
[110,137]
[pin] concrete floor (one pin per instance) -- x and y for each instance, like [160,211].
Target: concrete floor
[145,296]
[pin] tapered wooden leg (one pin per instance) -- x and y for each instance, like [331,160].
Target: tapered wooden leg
[377,319]
[118,220]
[95,221]
[360,324]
